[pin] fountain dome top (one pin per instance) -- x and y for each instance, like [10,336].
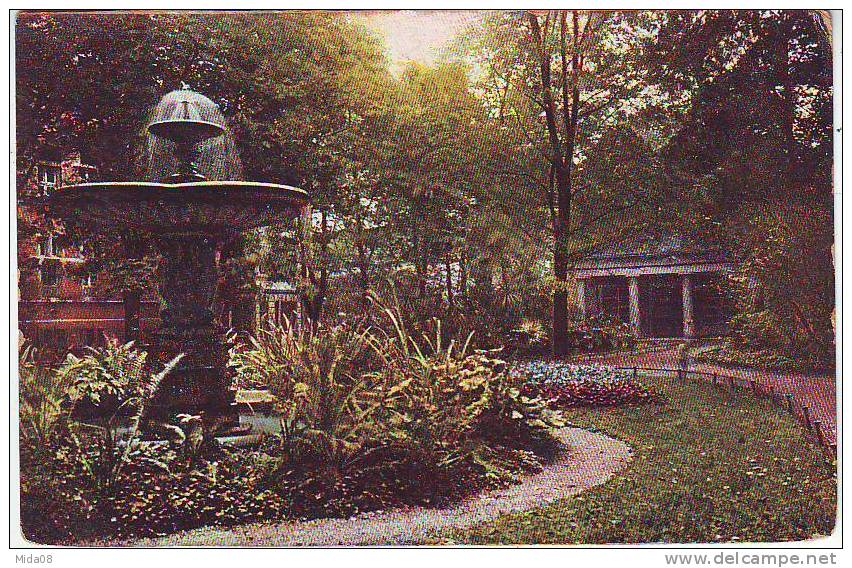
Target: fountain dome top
[185,199]
[175,104]
[186,116]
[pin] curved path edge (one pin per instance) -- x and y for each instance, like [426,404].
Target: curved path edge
[586,460]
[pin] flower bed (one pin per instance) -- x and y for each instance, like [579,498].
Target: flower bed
[370,419]
[581,385]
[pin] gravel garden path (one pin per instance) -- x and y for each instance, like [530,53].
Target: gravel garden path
[588,459]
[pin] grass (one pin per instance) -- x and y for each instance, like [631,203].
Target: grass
[708,466]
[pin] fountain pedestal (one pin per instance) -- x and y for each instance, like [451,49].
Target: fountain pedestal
[188,275]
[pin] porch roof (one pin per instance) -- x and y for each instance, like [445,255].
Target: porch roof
[671,255]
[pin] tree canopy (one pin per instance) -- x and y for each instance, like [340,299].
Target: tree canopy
[475,184]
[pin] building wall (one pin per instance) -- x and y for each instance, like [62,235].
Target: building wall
[55,327]
[55,313]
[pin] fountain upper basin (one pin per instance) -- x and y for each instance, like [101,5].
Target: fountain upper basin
[163,207]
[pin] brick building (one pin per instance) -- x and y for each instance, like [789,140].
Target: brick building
[57,311]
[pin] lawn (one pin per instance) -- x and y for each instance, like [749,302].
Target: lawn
[709,466]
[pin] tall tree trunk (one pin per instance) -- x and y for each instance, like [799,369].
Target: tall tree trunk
[315,272]
[449,283]
[561,155]
[789,94]
[560,264]
[463,275]
[363,263]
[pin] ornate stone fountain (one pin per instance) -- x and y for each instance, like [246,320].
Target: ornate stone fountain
[189,218]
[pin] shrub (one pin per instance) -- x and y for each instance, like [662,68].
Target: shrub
[223,490]
[376,417]
[733,353]
[41,396]
[371,418]
[316,376]
[531,338]
[456,407]
[581,385]
[601,334]
[783,286]
[69,469]
[105,378]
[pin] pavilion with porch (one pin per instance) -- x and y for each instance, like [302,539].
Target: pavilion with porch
[663,290]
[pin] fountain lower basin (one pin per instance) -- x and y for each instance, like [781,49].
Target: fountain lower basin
[154,207]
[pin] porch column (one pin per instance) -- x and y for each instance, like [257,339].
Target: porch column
[635,317]
[131,315]
[581,298]
[688,312]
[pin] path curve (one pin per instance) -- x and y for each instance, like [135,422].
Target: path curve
[587,459]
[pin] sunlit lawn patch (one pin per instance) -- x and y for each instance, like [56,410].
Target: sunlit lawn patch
[708,466]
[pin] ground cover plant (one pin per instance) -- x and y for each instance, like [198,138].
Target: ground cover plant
[708,466]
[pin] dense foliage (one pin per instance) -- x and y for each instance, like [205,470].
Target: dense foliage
[370,418]
[465,191]
[390,418]
[754,150]
[67,465]
[476,184]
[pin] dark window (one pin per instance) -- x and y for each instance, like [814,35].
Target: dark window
[55,340]
[48,178]
[85,173]
[49,274]
[91,337]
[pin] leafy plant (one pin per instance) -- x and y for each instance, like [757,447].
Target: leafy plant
[105,378]
[529,338]
[71,468]
[316,377]
[41,410]
[105,469]
[451,403]
[602,333]
[385,415]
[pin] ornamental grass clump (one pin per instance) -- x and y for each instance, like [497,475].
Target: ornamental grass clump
[463,411]
[379,417]
[566,385]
